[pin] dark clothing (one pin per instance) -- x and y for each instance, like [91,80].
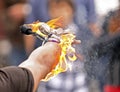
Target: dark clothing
[104,57]
[16,79]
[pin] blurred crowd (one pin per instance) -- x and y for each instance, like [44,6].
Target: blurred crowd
[97,68]
[12,15]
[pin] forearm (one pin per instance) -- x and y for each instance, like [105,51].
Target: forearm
[42,61]
[35,70]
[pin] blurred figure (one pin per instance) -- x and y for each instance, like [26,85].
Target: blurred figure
[74,80]
[65,9]
[3,53]
[11,17]
[104,59]
[113,31]
[85,17]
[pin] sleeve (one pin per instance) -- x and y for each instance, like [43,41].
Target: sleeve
[16,79]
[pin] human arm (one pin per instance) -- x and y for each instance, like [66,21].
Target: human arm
[27,76]
[42,61]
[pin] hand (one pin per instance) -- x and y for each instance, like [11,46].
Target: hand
[42,61]
[47,55]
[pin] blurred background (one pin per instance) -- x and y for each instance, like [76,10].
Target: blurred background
[95,22]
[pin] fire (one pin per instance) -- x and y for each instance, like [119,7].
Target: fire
[66,45]
[66,40]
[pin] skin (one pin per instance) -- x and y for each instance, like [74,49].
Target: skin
[61,9]
[65,10]
[16,12]
[42,61]
[96,31]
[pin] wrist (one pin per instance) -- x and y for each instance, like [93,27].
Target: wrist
[53,40]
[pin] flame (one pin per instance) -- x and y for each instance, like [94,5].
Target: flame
[35,28]
[62,66]
[66,40]
[56,23]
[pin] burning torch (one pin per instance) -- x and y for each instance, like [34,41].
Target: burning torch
[53,31]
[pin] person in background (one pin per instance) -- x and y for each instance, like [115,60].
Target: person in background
[3,41]
[86,16]
[112,25]
[104,54]
[11,17]
[67,81]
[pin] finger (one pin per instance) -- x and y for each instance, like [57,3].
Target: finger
[76,41]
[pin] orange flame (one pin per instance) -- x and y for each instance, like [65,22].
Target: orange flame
[35,28]
[62,66]
[66,40]
[56,23]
